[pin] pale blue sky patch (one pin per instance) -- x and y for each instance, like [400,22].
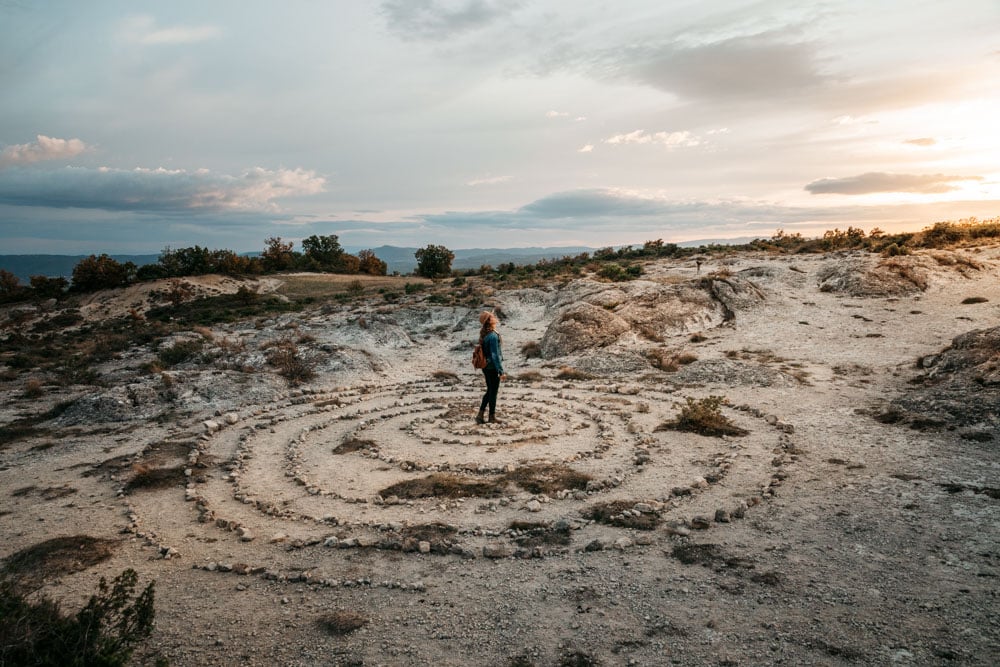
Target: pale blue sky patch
[471,123]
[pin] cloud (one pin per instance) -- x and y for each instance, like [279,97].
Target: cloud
[668,139]
[489,180]
[43,148]
[586,149]
[751,66]
[436,20]
[143,30]
[161,190]
[922,141]
[556,114]
[872,182]
[764,66]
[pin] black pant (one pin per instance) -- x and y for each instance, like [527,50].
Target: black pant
[492,387]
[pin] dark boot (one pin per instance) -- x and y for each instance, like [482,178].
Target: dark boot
[479,418]
[493,419]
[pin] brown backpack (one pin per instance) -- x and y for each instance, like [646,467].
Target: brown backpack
[478,357]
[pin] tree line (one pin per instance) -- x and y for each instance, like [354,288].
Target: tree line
[325,254]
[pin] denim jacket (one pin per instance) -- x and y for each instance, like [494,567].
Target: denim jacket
[493,352]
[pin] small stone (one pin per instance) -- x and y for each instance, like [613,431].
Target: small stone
[699,483]
[701,522]
[643,508]
[721,516]
[424,547]
[278,538]
[210,426]
[680,530]
[241,568]
[594,545]
[496,550]
[245,534]
[231,418]
[644,539]
[533,506]
[623,543]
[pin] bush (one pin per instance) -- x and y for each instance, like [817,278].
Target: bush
[180,352]
[105,632]
[101,272]
[894,250]
[704,417]
[47,288]
[285,358]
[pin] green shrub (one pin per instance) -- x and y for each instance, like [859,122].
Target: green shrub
[104,633]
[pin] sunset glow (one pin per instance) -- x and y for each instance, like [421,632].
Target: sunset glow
[490,124]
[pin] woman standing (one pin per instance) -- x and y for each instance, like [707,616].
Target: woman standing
[492,348]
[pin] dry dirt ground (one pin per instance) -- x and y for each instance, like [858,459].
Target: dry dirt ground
[856,522]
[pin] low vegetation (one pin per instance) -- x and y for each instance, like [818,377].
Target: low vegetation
[30,567]
[619,513]
[547,478]
[342,622]
[704,417]
[104,633]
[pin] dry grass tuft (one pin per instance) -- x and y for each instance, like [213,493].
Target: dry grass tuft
[57,556]
[284,356]
[539,534]
[530,376]
[147,477]
[704,417]
[578,659]
[548,478]
[445,376]
[353,445]
[618,513]
[545,478]
[444,485]
[570,373]
[342,622]
[33,389]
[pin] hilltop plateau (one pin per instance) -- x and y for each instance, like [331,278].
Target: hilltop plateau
[732,459]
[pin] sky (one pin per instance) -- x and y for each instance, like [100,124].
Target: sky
[131,126]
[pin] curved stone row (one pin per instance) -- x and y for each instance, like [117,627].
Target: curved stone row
[271,470]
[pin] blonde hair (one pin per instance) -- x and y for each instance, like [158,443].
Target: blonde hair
[489,322]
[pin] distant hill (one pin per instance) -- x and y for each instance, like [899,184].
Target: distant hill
[397,259]
[52,266]
[402,260]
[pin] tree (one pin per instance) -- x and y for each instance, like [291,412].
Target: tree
[9,283]
[434,261]
[370,264]
[102,272]
[49,287]
[277,256]
[324,252]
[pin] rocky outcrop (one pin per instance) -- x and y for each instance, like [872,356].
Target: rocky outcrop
[960,386]
[596,315]
[581,327]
